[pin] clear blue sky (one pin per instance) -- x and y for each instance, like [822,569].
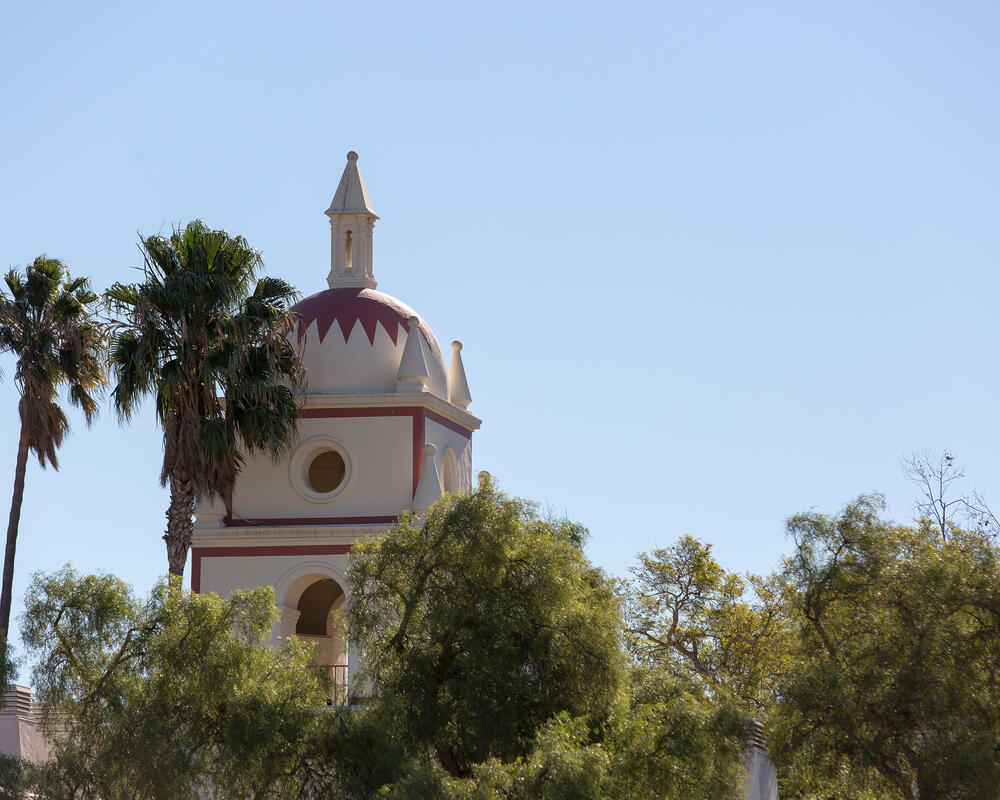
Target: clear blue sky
[713,263]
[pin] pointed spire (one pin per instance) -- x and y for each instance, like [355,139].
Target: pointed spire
[351,196]
[413,374]
[458,385]
[351,224]
[429,486]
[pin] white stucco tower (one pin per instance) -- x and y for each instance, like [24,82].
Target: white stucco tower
[383,428]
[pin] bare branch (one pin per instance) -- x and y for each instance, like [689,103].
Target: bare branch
[934,475]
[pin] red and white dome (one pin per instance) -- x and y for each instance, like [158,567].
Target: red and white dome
[353,338]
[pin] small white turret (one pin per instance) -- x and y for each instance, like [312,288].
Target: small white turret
[413,374]
[458,384]
[351,222]
[429,486]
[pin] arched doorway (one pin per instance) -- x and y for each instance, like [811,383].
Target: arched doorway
[319,623]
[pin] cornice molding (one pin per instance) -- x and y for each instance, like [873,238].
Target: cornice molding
[234,537]
[392,400]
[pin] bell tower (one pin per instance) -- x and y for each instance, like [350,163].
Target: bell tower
[383,427]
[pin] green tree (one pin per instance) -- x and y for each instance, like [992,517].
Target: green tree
[207,338]
[495,667]
[724,633]
[495,670]
[479,624]
[894,691]
[659,740]
[667,740]
[11,778]
[46,323]
[175,696]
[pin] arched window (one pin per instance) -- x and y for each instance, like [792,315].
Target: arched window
[449,471]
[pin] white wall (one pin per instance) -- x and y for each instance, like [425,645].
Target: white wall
[380,451]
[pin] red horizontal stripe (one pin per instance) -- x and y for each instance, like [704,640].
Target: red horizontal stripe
[273,550]
[399,411]
[280,522]
[330,413]
[448,423]
[198,553]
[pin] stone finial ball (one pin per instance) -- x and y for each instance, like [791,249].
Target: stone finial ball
[412,321]
[352,156]
[456,345]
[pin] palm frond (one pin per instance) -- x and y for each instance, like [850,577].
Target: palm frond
[47,324]
[206,337]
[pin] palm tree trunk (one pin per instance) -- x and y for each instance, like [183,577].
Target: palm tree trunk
[15,520]
[180,524]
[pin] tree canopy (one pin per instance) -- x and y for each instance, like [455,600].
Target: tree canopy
[482,622]
[495,670]
[498,665]
[173,696]
[46,322]
[724,632]
[870,655]
[206,337]
[894,688]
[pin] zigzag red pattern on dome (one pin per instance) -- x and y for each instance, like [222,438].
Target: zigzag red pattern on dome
[351,305]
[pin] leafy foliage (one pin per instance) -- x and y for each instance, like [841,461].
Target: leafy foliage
[46,323]
[172,696]
[494,670]
[871,656]
[493,651]
[666,740]
[481,624]
[684,612]
[657,741]
[12,780]
[208,340]
[894,689]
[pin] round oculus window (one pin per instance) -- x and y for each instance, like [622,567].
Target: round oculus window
[326,471]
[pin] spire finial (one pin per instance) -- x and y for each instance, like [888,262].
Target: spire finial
[429,486]
[412,375]
[351,222]
[458,384]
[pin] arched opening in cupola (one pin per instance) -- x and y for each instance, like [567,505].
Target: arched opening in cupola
[319,624]
[348,258]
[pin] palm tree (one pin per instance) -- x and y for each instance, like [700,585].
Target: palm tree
[207,339]
[46,322]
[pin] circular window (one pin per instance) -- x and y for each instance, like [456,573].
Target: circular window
[327,471]
[320,469]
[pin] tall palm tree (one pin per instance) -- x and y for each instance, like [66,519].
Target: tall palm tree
[46,323]
[207,338]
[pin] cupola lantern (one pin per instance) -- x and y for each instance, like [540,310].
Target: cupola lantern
[351,222]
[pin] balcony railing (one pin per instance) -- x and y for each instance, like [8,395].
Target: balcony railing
[334,680]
